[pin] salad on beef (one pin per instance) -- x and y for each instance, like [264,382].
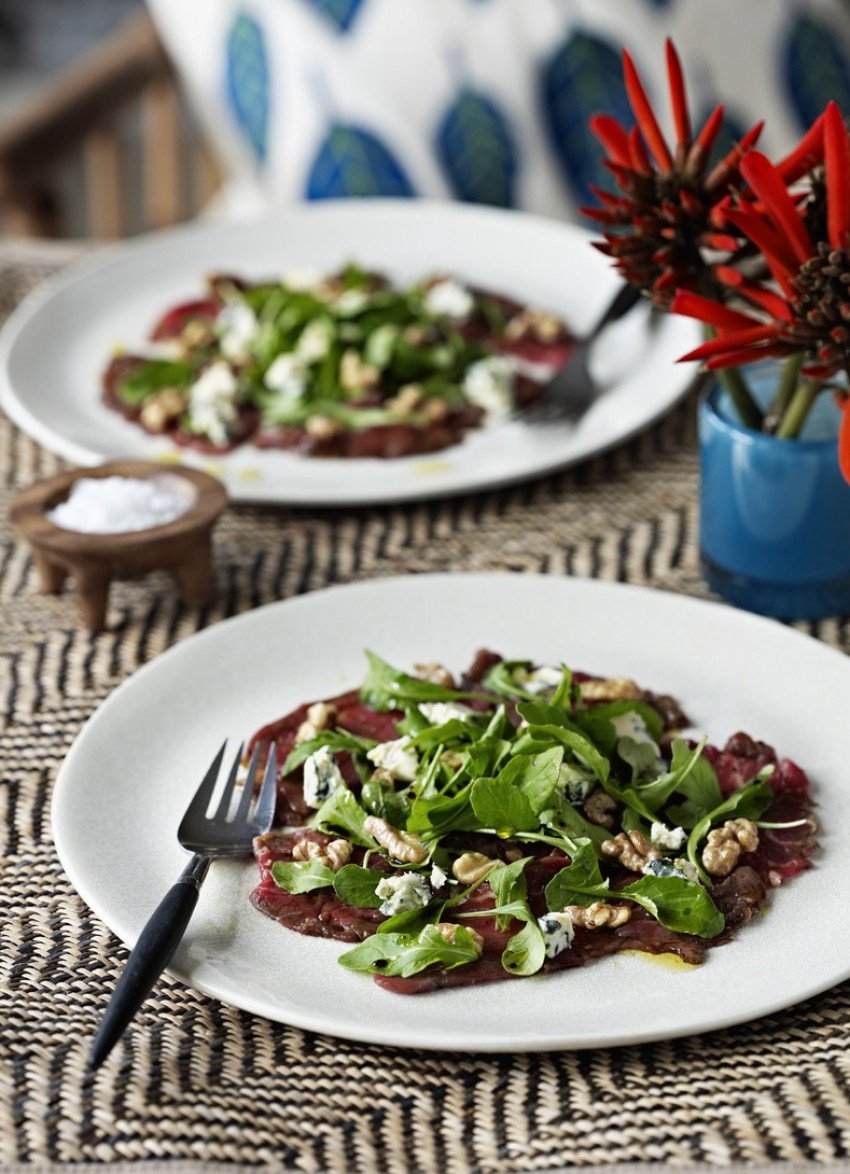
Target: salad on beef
[347,365]
[522,819]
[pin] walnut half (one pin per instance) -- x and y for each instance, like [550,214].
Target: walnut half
[599,915]
[725,845]
[632,849]
[403,846]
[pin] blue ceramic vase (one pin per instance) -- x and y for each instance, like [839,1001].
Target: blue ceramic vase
[774,514]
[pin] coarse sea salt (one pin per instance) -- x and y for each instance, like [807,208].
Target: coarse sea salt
[116,505]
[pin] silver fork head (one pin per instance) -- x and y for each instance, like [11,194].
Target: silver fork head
[223,834]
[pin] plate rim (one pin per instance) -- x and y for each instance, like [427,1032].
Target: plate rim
[106,257]
[316,1019]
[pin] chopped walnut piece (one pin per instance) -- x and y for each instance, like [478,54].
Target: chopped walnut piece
[322,427]
[726,844]
[472,867]
[333,856]
[435,410]
[438,673]
[632,849]
[320,716]
[197,333]
[448,930]
[354,374]
[403,846]
[162,409]
[599,808]
[406,400]
[537,323]
[611,689]
[599,915]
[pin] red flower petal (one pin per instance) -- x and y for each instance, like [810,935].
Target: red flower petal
[749,355]
[678,97]
[721,174]
[613,137]
[806,155]
[644,114]
[640,159]
[732,342]
[783,264]
[836,149]
[844,442]
[692,305]
[767,183]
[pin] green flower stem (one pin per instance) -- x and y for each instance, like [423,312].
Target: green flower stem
[785,390]
[798,409]
[735,385]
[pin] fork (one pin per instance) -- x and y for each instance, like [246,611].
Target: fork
[207,838]
[569,393]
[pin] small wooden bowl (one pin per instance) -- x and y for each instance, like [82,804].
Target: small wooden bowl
[182,547]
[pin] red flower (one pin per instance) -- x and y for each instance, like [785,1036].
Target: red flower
[807,307]
[669,211]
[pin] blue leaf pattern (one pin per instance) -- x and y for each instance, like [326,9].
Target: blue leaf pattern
[354,162]
[476,147]
[583,77]
[341,13]
[248,81]
[816,70]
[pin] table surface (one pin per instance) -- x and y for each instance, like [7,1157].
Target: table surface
[197,1082]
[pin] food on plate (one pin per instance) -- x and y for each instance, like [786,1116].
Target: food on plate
[345,366]
[522,819]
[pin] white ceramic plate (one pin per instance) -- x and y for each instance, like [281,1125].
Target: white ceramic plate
[54,348]
[124,786]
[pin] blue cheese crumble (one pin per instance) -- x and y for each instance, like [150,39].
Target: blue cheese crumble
[558,932]
[321,777]
[440,712]
[398,758]
[670,838]
[213,403]
[401,893]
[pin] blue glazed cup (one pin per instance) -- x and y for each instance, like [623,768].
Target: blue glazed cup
[774,514]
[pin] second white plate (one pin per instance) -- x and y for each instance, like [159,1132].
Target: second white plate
[55,346]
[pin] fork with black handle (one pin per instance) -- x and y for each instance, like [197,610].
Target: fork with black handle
[572,389]
[207,838]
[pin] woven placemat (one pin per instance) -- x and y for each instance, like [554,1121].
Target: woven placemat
[195,1081]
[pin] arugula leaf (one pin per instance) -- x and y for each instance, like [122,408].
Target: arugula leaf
[335,740]
[393,806]
[152,376]
[500,805]
[356,886]
[500,679]
[537,775]
[402,955]
[302,876]
[341,810]
[525,953]
[437,815]
[534,739]
[678,904]
[385,687]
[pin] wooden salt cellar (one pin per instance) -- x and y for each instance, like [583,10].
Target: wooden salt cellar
[182,547]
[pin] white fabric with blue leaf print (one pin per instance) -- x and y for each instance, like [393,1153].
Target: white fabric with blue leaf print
[481,100]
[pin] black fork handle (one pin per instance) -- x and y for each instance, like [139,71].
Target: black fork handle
[151,954]
[627,295]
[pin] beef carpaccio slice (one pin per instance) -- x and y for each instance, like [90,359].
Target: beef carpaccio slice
[782,854]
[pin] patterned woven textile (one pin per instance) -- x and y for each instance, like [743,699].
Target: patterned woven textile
[196,1083]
